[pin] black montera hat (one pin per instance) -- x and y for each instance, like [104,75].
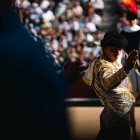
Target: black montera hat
[114,39]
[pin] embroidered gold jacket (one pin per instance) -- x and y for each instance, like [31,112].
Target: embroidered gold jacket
[112,85]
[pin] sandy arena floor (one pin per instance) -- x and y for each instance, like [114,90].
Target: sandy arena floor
[84,122]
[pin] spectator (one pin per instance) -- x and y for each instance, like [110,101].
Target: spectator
[132,32]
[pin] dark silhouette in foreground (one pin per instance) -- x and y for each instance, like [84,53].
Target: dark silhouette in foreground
[32,93]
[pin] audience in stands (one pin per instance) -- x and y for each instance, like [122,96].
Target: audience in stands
[71,30]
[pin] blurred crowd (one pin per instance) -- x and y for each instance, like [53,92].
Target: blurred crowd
[70,29]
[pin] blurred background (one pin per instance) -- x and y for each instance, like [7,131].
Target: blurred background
[72,29]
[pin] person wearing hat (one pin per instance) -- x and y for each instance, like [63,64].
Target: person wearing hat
[132,32]
[113,87]
[32,93]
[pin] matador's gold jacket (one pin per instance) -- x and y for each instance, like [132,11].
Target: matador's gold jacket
[111,84]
